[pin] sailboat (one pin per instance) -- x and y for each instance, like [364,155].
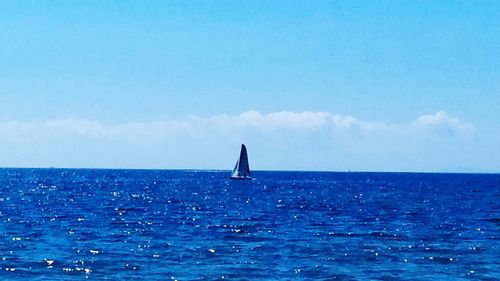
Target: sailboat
[241,170]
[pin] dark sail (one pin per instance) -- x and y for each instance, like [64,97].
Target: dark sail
[242,169]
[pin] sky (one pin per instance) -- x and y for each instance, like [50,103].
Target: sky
[306,85]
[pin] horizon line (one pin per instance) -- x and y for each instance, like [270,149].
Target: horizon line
[229,170]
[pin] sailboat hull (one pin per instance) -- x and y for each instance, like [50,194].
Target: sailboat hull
[240,178]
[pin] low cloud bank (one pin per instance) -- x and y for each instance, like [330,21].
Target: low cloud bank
[444,123]
[287,140]
[276,122]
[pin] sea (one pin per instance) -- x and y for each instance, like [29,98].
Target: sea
[79,224]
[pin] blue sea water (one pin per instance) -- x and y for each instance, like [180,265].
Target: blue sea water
[63,224]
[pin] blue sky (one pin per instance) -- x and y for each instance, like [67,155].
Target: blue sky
[309,85]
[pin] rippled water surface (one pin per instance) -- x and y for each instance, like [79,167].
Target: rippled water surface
[198,225]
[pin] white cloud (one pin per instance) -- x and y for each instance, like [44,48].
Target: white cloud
[343,123]
[440,122]
[149,131]
[306,120]
[326,141]
[79,127]
[443,123]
